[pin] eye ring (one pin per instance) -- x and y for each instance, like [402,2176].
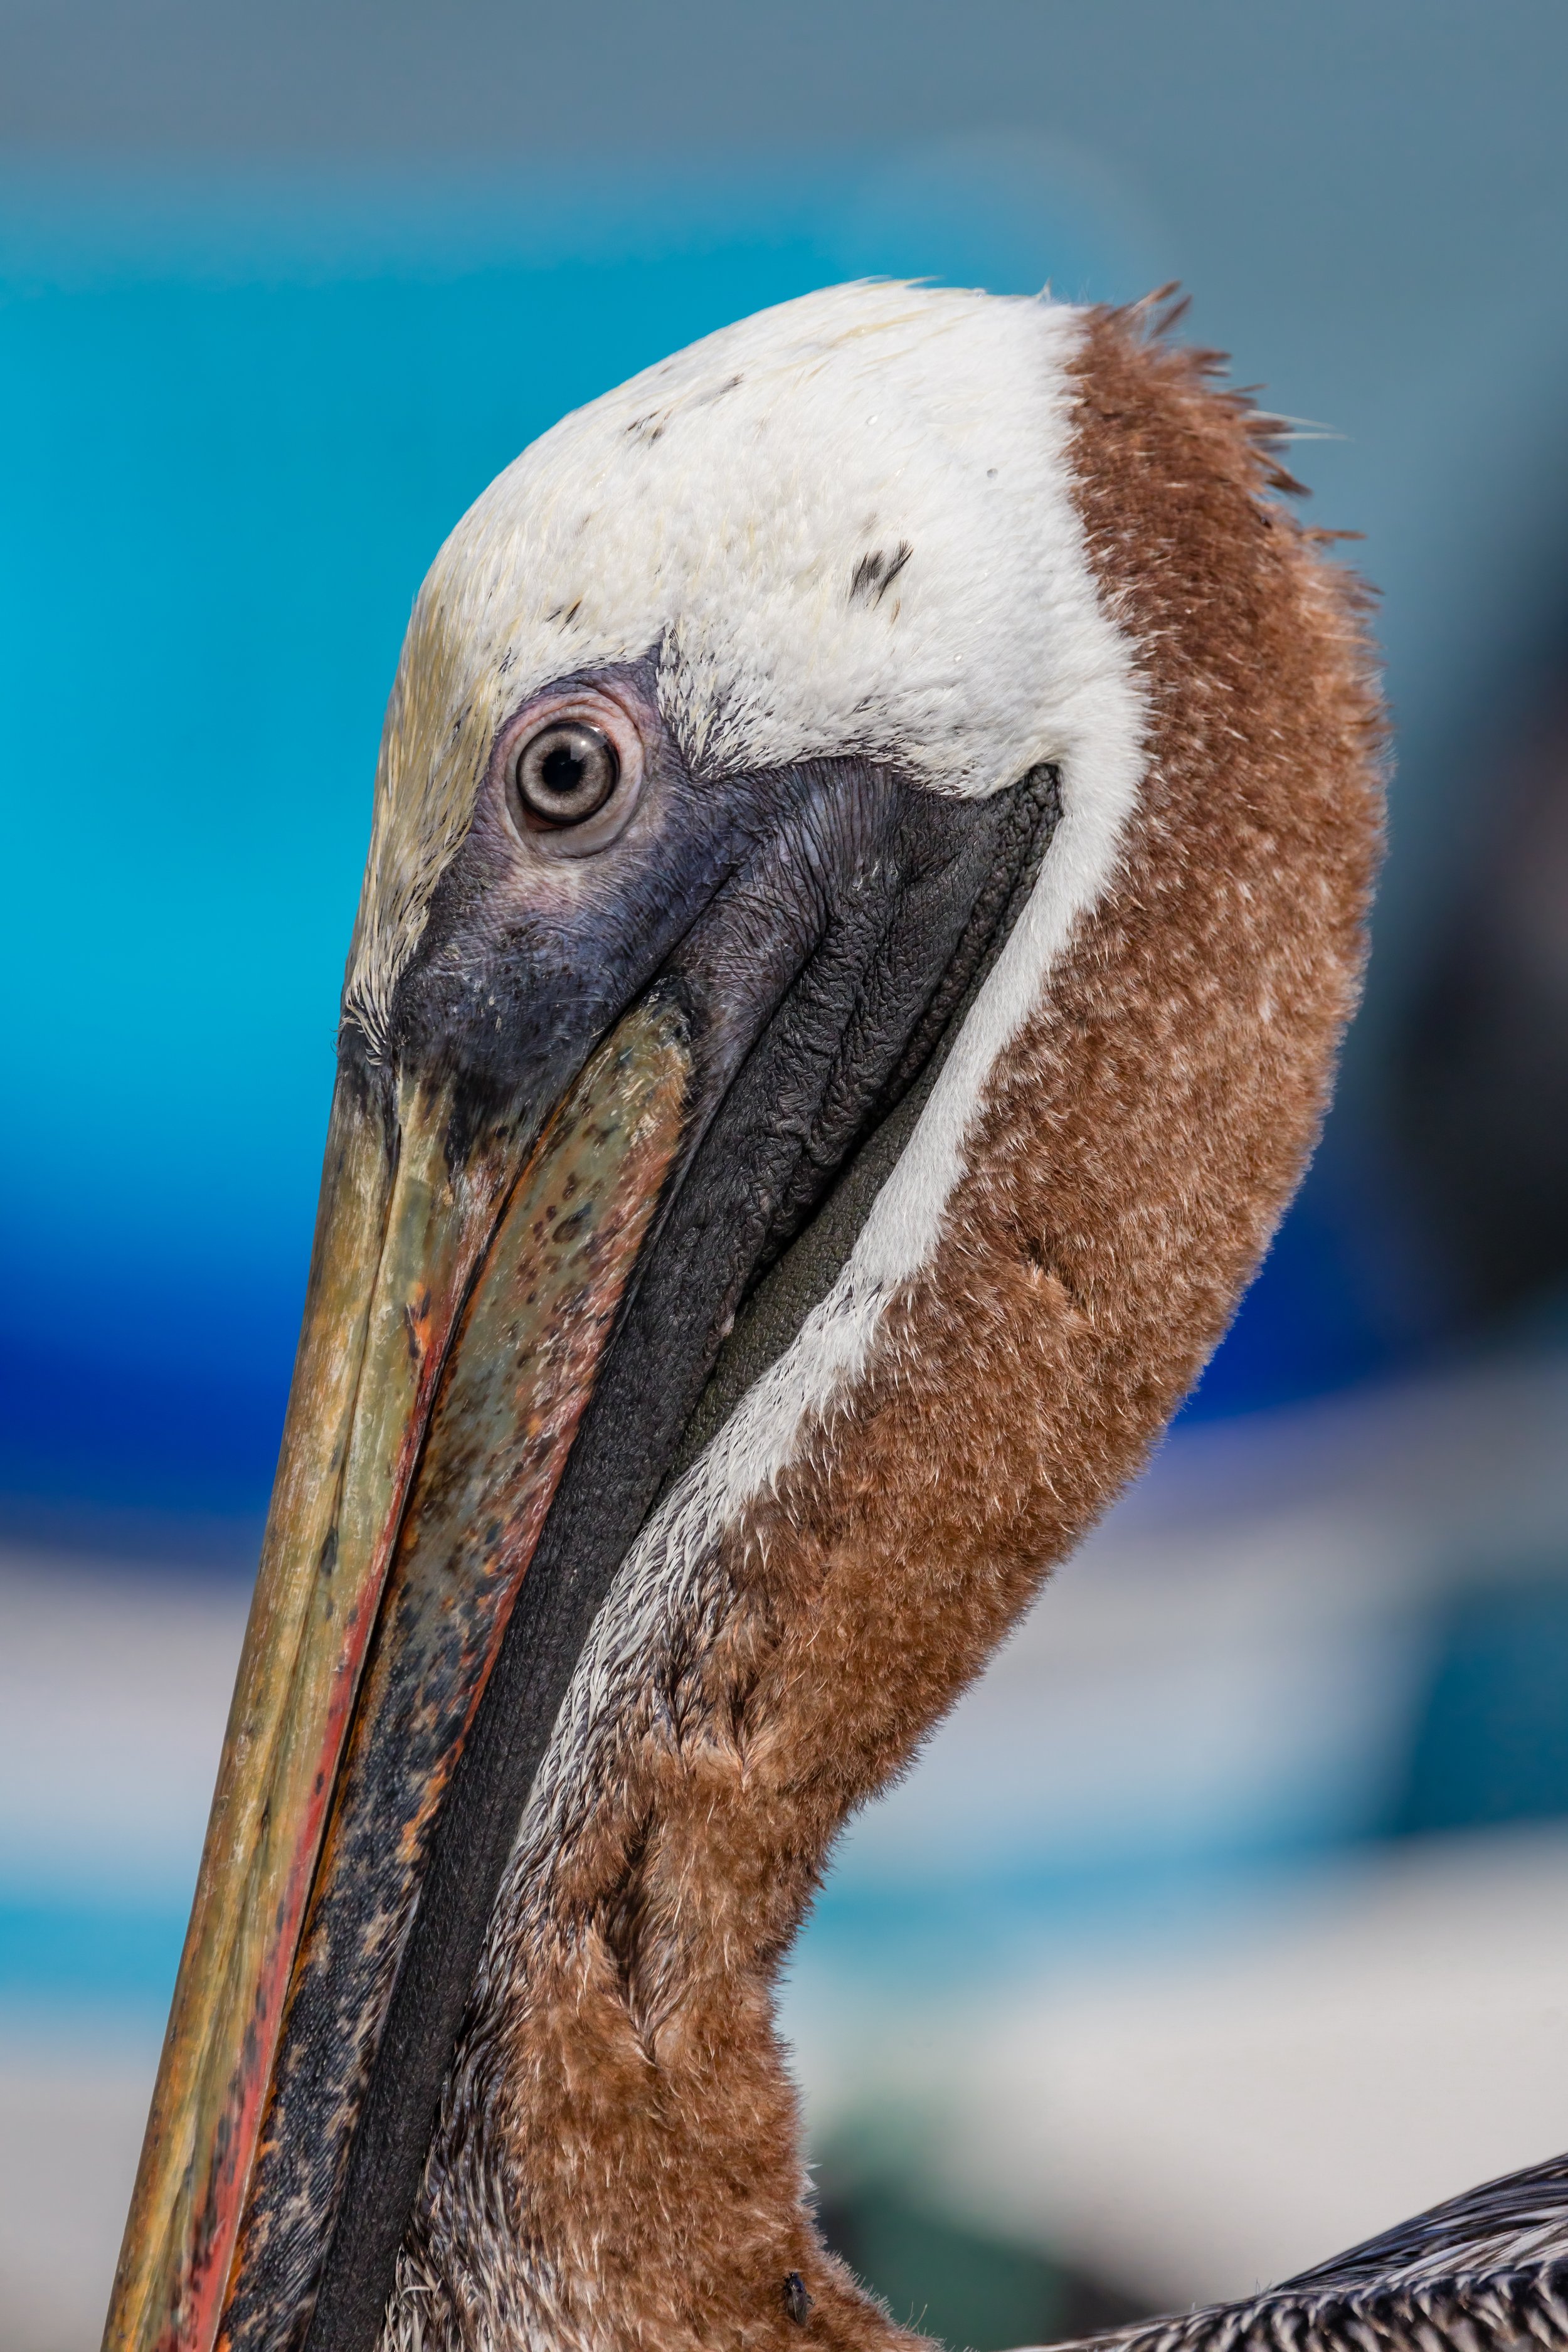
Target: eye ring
[564,773]
[571,773]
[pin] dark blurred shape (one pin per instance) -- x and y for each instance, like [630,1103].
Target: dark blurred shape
[1491,1738]
[1329,1308]
[1480,1087]
[958,2285]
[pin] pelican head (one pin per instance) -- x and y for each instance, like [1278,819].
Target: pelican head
[868,874]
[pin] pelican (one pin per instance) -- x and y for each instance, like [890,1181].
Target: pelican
[868,871]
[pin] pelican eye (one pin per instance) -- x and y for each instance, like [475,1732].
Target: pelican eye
[565,773]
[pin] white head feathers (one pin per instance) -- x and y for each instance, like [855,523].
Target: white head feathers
[840,526]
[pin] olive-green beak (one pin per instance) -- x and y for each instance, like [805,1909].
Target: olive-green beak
[461,1294]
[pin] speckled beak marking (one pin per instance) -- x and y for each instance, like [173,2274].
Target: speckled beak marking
[460,1298]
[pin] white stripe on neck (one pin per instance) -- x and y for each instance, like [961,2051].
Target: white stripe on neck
[1093,728]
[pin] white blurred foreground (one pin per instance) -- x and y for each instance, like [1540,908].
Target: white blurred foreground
[1116,1973]
[1191,2124]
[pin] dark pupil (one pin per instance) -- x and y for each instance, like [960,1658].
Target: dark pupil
[562,768]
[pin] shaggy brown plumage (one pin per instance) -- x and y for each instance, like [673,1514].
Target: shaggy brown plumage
[620,2129]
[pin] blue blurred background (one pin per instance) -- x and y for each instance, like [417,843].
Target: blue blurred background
[279,293]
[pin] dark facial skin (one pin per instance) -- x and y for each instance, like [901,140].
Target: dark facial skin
[539,939]
[724,887]
[814,927]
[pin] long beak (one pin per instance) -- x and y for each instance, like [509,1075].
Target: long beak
[461,1294]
